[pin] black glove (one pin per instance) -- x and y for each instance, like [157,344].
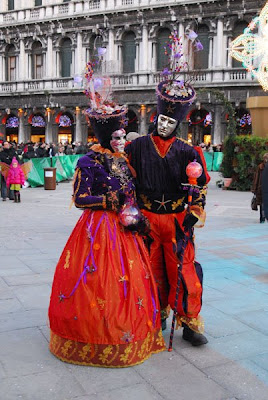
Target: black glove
[122,198]
[112,201]
[142,227]
[189,221]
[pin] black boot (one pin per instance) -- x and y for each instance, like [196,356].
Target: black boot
[19,197]
[15,197]
[196,339]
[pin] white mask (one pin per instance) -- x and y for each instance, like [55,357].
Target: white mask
[165,125]
[118,141]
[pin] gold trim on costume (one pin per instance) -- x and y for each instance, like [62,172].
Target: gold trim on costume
[195,324]
[113,356]
[156,148]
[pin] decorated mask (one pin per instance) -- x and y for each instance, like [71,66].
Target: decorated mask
[166,125]
[118,140]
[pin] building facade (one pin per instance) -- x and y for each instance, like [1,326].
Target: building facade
[45,44]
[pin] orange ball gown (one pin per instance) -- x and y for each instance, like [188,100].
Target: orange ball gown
[104,308]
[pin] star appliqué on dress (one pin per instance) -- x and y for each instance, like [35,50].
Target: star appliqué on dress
[140,303]
[162,203]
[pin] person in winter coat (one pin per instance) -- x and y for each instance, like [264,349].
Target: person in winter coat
[30,153]
[15,179]
[6,156]
[259,187]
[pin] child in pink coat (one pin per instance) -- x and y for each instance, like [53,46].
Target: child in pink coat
[15,179]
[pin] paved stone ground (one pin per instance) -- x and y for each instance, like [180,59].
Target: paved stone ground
[234,365]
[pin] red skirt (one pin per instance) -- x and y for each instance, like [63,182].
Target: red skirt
[104,308]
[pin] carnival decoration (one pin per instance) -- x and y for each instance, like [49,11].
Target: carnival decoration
[179,73]
[193,171]
[245,120]
[12,122]
[65,121]
[38,121]
[251,48]
[208,120]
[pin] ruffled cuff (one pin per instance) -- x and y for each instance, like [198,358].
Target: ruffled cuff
[199,213]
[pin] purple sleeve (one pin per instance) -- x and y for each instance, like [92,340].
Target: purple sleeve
[82,191]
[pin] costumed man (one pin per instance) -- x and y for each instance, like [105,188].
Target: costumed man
[160,161]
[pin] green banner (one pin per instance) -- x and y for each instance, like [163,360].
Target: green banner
[213,160]
[65,168]
[217,160]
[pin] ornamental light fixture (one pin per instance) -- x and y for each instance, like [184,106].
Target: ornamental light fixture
[251,48]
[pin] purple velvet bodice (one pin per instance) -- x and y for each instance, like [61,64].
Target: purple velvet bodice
[96,175]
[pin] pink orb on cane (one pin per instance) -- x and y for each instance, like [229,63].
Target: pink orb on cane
[194,170]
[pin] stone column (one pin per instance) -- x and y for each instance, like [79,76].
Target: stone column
[154,56]
[78,127]
[111,56]
[48,133]
[49,58]
[219,44]
[78,54]
[144,49]
[22,61]
[143,123]
[217,137]
[210,55]
[224,50]
[2,57]
[149,61]
[21,136]
[229,60]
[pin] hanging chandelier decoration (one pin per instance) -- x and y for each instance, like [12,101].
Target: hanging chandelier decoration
[251,48]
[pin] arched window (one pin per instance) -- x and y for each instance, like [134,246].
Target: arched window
[162,40]
[66,58]
[11,63]
[37,61]
[238,30]
[129,52]
[201,57]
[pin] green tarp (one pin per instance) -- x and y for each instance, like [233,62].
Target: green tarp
[65,168]
[213,160]
[66,165]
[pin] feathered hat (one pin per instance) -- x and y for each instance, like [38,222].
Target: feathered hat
[175,94]
[104,114]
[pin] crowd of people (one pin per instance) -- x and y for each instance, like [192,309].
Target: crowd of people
[31,150]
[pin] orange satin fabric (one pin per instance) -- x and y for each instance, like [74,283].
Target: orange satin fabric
[164,264]
[118,302]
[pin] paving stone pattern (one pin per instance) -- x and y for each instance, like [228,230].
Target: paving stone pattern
[233,250]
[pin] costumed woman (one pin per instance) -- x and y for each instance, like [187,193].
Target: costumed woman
[104,307]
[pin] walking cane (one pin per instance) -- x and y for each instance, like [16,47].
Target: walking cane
[193,171]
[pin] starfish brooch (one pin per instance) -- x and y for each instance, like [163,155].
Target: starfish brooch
[162,203]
